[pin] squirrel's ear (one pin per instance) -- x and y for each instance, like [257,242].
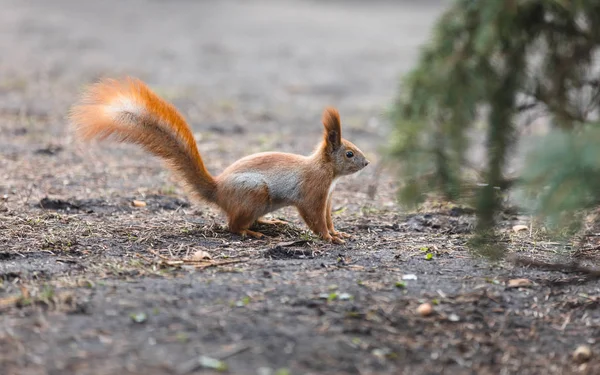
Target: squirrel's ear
[333,128]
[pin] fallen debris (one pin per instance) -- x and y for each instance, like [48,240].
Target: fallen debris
[137,203]
[519,283]
[519,228]
[425,309]
[582,354]
[201,263]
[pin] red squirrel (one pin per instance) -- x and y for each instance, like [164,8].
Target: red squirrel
[129,111]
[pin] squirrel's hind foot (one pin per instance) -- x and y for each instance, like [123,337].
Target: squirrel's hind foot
[250,233]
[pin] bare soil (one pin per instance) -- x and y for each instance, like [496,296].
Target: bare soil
[91,284]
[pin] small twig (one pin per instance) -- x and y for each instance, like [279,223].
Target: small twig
[563,267]
[233,352]
[216,264]
[144,258]
[198,263]
[526,107]
[159,255]
[67,260]
[566,322]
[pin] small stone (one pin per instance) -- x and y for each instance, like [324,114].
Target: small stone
[138,317]
[137,203]
[380,352]
[453,318]
[425,309]
[582,354]
[409,276]
[345,296]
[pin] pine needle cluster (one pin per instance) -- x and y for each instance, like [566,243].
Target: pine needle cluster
[490,63]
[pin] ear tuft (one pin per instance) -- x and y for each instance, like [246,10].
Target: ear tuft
[333,127]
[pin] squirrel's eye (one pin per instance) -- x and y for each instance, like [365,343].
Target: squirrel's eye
[349,154]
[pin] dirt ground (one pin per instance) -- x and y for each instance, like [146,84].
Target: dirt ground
[90,284]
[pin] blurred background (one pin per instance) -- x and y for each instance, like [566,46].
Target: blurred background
[261,56]
[257,72]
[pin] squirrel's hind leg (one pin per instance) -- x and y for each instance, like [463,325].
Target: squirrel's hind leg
[247,210]
[239,224]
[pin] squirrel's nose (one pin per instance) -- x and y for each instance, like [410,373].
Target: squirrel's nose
[366,162]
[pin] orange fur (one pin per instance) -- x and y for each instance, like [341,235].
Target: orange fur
[158,128]
[246,190]
[333,128]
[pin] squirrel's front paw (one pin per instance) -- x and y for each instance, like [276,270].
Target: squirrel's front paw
[340,234]
[333,239]
[337,240]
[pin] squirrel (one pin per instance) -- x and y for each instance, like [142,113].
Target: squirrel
[127,110]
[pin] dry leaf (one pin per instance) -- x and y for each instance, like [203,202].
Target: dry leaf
[518,283]
[521,227]
[200,255]
[7,302]
[138,203]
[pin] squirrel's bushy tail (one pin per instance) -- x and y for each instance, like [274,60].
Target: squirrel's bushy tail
[129,111]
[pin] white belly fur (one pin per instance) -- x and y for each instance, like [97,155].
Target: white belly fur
[283,186]
[332,187]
